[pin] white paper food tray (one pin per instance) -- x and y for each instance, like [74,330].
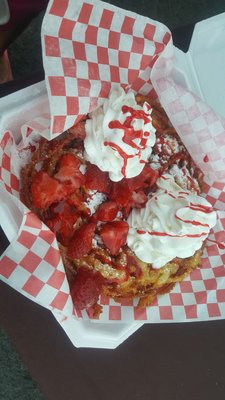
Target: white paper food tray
[193,70]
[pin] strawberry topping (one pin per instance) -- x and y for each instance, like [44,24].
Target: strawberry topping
[114,235]
[62,222]
[69,172]
[120,192]
[86,288]
[107,211]
[138,199]
[146,179]
[46,190]
[95,179]
[81,242]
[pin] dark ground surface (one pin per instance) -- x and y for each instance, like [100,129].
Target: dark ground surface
[25,57]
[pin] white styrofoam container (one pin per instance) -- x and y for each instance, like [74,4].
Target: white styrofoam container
[4,12]
[201,70]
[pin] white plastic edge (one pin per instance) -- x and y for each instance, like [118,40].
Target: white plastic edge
[202,68]
[4,12]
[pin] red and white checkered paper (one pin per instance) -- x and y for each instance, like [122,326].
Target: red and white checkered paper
[87,48]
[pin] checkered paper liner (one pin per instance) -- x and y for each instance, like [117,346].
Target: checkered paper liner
[31,264]
[89,46]
[199,297]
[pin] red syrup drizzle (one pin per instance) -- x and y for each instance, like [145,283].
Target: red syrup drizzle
[195,223]
[206,159]
[201,208]
[130,134]
[195,207]
[189,235]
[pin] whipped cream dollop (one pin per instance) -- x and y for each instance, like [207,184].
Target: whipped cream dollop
[120,135]
[174,223]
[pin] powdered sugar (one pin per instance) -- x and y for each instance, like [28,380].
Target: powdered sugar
[165,147]
[184,178]
[154,161]
[95,200]
[83,168]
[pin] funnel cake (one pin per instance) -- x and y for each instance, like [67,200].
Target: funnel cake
[105,221]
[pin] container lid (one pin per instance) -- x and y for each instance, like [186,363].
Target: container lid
[202,68]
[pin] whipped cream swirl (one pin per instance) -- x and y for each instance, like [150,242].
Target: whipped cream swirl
[174,223]
[120,135]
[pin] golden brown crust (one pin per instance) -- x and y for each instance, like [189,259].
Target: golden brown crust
[145,283]
[153,282]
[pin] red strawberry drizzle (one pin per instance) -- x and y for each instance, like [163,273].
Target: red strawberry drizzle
[129,134]
[122,154]
[81,241]
[86,288]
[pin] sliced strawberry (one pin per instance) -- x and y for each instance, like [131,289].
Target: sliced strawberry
[62,223]
[78,130]
[69,160]
[107,211]
[146,178]
[54,224]
[63,228]
[62,207]
[81,242]
[138,199]
[67,176]
[95,179]
[114,235]
[129,193]
[120,193]
[46,190]
[86,288]
[69,172]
